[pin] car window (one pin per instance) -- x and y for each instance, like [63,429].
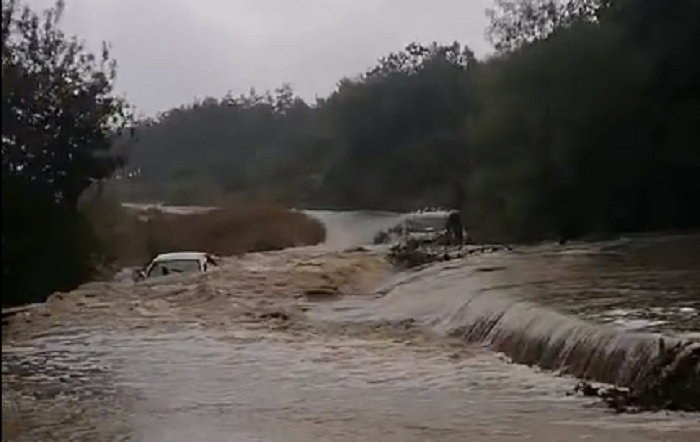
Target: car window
[425,224]
[164,268]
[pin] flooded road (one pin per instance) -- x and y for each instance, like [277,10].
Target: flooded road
[314,344]
[192,385]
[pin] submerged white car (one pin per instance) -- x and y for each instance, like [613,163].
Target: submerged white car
[176,263]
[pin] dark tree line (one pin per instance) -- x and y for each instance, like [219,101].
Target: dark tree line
[592,124]
[585,120]
[58,119]
[400,127]
[267,144]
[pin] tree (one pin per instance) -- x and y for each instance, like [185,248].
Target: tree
[514,23]
[59,116]
[402,127]
[587,124]
[585,121]
[256,143]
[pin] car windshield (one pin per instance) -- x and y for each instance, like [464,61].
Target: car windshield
[425,224]
[163,268]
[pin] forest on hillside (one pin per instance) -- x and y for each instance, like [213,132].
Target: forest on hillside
[586,119]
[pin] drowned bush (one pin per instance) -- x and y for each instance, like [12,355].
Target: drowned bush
[132,237]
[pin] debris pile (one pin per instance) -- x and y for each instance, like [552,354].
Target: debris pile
[672,382]
[413,253]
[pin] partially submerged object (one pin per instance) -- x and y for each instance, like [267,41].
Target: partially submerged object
[414,253]
[423,227]
[176,262]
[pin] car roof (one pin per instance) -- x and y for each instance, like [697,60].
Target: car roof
[179,256]
[429,215]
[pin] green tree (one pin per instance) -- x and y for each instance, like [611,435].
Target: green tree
[587,127]
[401,127]
[58,118]
[514,23]
[255,144]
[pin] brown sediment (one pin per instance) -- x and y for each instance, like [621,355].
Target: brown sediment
[273,290]
[241,289]
[11,428]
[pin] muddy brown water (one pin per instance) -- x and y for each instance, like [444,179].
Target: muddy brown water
[251,352]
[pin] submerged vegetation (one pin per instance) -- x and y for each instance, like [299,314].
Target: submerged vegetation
[132,237]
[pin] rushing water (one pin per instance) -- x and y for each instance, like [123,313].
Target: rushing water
[599,319]
[186,380]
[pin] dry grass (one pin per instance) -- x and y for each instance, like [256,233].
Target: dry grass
[236,230]
[133,237]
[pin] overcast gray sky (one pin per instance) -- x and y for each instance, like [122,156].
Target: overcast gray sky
[170,51]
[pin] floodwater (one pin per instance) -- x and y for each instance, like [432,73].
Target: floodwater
[323,344]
